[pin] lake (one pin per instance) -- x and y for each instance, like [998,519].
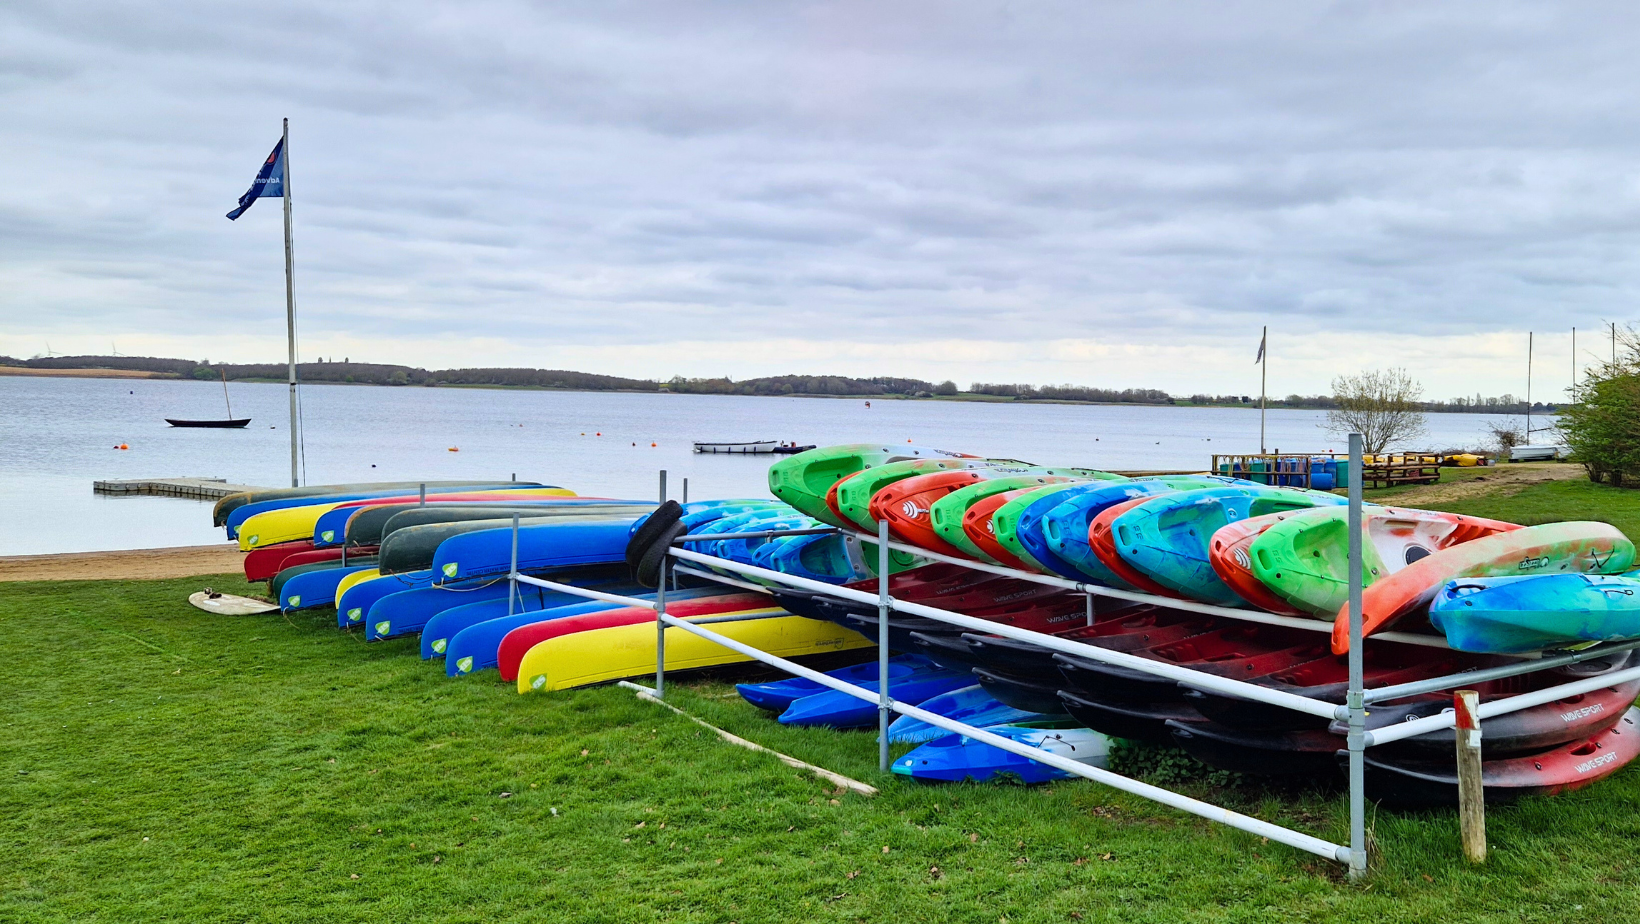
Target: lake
[56,437]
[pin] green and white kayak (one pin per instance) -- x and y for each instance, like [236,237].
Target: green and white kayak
[1304,559]
[946,514]
[852,498]
[803,480]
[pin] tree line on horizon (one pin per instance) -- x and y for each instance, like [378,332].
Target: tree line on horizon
[347,372]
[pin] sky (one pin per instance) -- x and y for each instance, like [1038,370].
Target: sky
[1109,194]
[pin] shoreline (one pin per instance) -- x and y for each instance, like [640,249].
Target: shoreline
[125,564]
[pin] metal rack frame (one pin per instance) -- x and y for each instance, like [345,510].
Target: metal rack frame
[1352,712]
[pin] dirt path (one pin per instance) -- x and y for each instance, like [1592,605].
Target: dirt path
[1495,481]
[136,564]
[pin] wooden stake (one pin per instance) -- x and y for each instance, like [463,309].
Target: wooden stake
[1471,792]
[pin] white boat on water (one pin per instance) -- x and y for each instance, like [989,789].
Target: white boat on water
[760,447]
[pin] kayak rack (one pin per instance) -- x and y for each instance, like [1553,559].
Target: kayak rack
[680,559]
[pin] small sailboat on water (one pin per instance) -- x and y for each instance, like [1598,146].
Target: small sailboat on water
[230,423]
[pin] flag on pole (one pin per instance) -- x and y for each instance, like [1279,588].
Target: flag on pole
[1260,347]
[270,181]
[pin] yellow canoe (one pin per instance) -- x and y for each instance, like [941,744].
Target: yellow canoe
[289,524]
[602,655]
[357,577]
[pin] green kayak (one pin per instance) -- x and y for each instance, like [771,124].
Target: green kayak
[854,493]
[946,514]
[803,480]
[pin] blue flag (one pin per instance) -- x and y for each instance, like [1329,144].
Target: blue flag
[270,181]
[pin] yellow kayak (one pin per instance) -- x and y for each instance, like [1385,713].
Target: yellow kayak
[289,524]
[602,655]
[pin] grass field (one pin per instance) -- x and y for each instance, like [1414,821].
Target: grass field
[162,764]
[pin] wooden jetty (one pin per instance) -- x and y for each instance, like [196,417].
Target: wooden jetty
[201,488]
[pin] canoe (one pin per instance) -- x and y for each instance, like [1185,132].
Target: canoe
[264,563]
[227,505]
[237,517]
[851,497]
[836,709]
[352,581]
[354,603]
[276,586]
[602,655]
[949,515]
[418,609]
[568,542]
[804,480]
[297,521]
[309,556]
[1434,784]
[316,588]
[1305,560]
[778,695]
[1555,548]
[337,526]
[955,758]
[1168,538]
[477,646]
[970,705]
[1059,537]
[517,643]
[1230,557]
[1508,615]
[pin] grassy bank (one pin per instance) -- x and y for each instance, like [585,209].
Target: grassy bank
[160,763]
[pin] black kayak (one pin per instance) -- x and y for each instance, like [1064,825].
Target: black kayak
[371,524]
[1137,721]
[1308,752]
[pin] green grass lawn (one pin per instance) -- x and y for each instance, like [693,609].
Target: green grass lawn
[1548,502]
[162,764]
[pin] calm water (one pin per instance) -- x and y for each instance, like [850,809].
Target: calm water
[56,437]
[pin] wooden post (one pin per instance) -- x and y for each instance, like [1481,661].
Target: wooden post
[1471,793]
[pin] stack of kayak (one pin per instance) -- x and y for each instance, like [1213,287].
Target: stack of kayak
[432,561]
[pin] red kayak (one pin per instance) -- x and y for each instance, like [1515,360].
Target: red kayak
[976,524]
[1230,553]
[263,563]
[520,640]
[904,504]
[1102,540]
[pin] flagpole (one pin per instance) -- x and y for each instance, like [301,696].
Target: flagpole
[290,302]
[1263,383]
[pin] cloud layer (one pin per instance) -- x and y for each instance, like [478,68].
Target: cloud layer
[1109,194]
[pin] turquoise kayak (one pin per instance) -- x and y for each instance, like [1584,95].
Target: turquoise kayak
[1511,615]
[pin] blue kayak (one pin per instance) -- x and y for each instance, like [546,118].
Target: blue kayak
[833,558]
[836,709]
[442,627]
[408,610]
[955,758]
[478,646]
[1064,528]
[541,546]
[315,588]
[777,695]
[971,705]
[1511,615]
[357,600]
[1169,537]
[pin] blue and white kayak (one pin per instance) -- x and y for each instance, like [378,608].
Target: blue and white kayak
[955,758]
[970,705]
[833,558]
[1510,615]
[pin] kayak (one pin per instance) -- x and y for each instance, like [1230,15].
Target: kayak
[803,480]
[515,645]
[851,497]
[235,520]
[297,521]
[566,543]
[1509,615]
[1230,557]
[1168,538]
[1305,560]
[264,563]
[1102,543]
[405,610]
[276,586]
[1415,784]
[227,505]
[1018,519]
[955,758]
[836,709]
[834,559]
[1059,537]
[652,536]
[778,695]
[906,504]
[602,655]
[353,604]
[1535,728]
[1555,548]
[970,705]
[316,588]
[365,525]
[948,515]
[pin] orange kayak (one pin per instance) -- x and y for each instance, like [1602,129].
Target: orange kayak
[1231,557]
[904,504]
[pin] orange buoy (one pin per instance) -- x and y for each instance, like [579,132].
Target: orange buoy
[124,446]
[597,434]
[651,445]
[455,449]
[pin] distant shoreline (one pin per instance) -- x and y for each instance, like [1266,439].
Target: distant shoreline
[960,397]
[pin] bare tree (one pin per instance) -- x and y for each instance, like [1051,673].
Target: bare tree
[1381,405]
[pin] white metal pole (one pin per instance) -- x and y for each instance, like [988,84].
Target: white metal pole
[660,628]
[290,301]
[512,569]
[1528,388]
[1355,696]
[885,704]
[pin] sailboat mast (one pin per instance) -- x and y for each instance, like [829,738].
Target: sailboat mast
[1528,388]
[225,392]
[290,306]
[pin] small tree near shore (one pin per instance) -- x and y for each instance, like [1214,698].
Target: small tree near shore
[1602,424]
[1381,405]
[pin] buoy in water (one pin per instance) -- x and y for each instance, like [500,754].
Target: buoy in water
[651,445]
[455,449]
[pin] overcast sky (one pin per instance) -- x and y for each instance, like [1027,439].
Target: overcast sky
[1114,194]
